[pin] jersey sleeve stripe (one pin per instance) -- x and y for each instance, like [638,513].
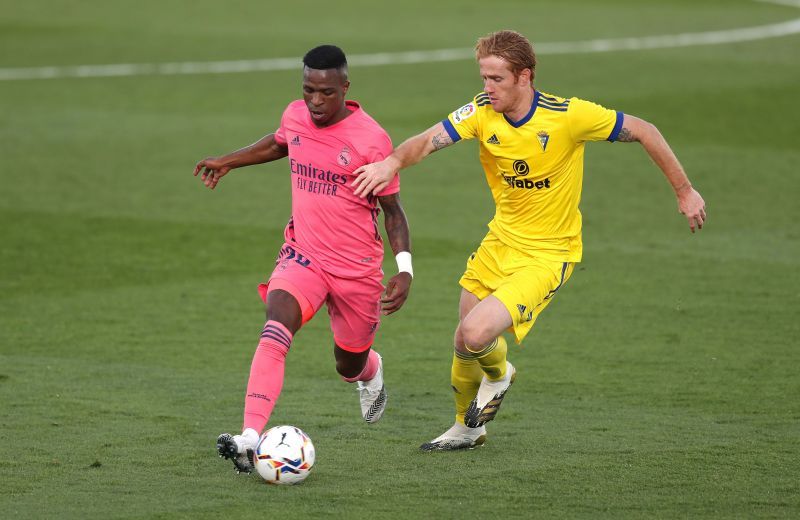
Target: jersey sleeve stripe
[617,127]
[482,99]
[554,109]
[551,99]
[553,103]
[451,130]
[557,107]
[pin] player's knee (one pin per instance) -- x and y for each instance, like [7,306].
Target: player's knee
[283,308]
[458,341]
[474,335]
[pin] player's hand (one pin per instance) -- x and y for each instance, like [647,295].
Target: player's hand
[692,205]
[373,178]
[212,170]
[396,293]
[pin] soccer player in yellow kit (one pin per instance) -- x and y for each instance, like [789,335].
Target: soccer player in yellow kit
[531,149]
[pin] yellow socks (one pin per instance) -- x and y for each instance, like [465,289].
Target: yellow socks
[468,369]
[465,376]
[493,358]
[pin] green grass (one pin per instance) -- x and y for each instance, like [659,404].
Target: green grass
[662,382]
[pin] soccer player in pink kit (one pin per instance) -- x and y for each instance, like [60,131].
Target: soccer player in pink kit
[333,250]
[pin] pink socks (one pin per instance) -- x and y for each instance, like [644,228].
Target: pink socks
[266,375]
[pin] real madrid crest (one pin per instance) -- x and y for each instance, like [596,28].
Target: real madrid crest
[344,157]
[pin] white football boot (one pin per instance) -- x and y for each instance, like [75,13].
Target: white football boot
[239,449]
[459,437]
[484,407]
[373,396]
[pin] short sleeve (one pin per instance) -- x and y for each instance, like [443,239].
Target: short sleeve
[381,151]
[280,133]
[591,122]
[462,123]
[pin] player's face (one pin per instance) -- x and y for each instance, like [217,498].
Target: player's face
[504,89]
[323,92]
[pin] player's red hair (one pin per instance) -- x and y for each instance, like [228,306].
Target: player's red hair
[512,47]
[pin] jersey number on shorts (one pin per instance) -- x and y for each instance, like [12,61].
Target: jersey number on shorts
[294,255]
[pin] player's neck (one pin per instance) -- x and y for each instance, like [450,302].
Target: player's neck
[522,106]
[341,114]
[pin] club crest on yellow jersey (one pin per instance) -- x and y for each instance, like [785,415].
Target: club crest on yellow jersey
[544,138]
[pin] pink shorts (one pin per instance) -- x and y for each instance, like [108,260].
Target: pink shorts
[353,304]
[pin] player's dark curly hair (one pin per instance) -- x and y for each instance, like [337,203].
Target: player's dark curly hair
[512,47]
[325,57]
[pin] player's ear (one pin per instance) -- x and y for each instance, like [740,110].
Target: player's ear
[525,76]
[345,86]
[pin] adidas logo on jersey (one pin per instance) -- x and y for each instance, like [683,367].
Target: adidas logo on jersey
[295,140]
[493,140]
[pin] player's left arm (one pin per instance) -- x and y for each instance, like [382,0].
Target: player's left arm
[399,285]
[372,178]
[690,203]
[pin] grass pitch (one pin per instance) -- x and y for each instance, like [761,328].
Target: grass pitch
[662,382]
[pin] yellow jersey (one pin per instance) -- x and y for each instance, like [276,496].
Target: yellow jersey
[534,167]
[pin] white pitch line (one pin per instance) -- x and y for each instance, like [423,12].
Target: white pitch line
[790,3]
[398,58]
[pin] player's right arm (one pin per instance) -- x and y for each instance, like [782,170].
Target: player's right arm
[690,202]
[264,150]
[373,178]
[397,231]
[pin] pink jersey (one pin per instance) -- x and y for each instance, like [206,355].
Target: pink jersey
[330,225]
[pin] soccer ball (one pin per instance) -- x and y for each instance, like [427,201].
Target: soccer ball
[284,455]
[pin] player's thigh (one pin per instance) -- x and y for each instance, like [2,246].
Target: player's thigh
[485,271]
[466,303]
[529,290]
[354,310]
[303,281]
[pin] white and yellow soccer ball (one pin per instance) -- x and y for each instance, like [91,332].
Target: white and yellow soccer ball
[284,455]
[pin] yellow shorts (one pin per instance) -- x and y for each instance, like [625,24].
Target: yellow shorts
[524,283]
